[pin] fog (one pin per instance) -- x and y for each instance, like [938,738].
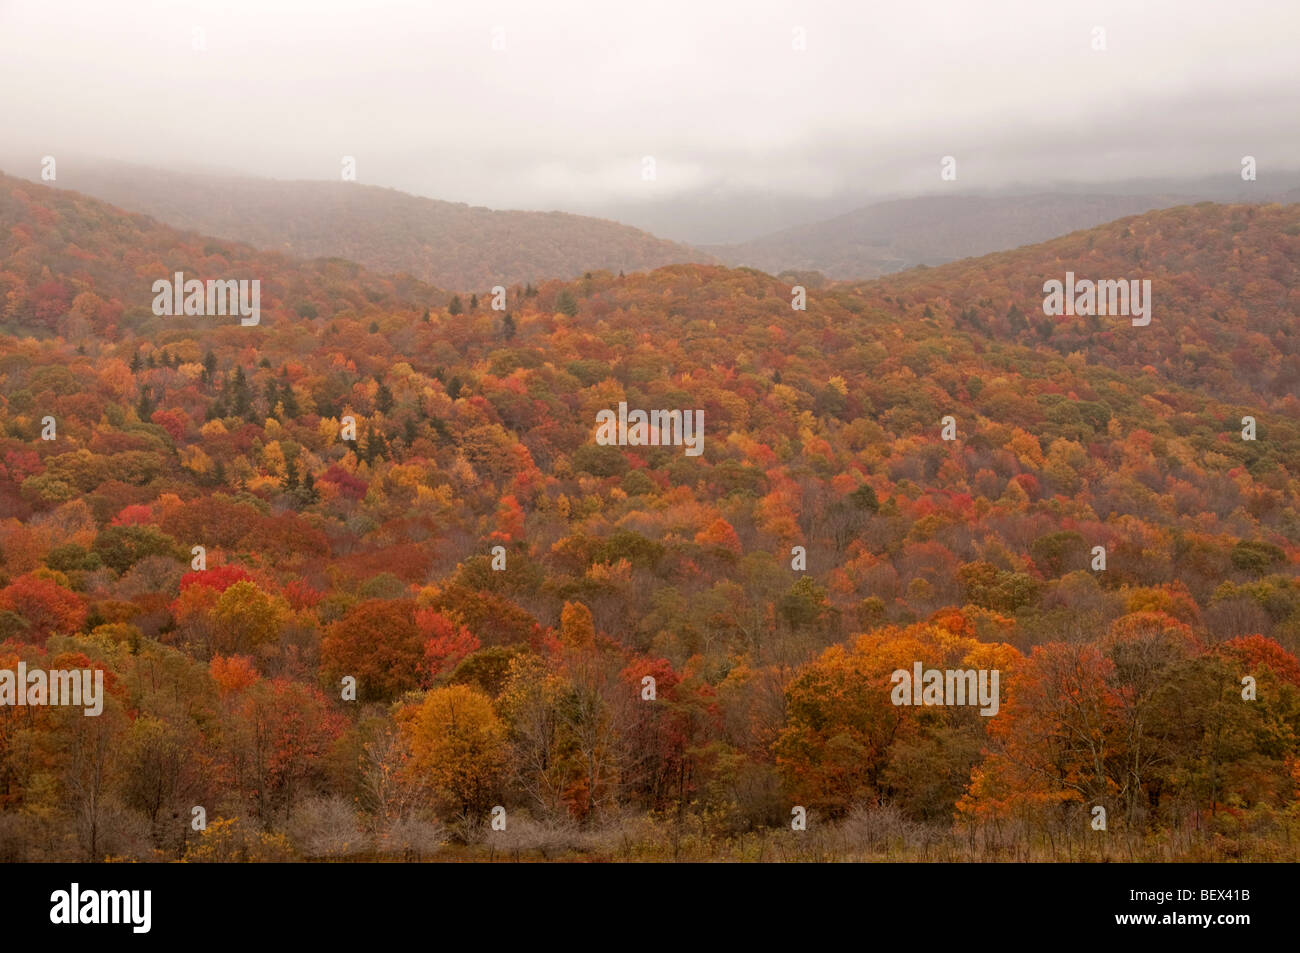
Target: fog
[563,114]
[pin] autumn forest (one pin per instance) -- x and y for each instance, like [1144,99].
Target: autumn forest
[362,583]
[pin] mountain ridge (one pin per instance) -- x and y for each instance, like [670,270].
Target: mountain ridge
[893,235]
[452,245]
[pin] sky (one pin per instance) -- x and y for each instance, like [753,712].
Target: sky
[717,92]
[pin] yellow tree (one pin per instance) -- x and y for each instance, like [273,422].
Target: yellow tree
[247,620]
[458,747]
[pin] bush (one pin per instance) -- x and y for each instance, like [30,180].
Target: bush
[412,838]
[326,827]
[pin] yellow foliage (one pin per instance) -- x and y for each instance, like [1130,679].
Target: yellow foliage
[196,461]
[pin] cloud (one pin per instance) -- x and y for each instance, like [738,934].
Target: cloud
[716,92]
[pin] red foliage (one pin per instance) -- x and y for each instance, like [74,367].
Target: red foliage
[1028,482]
[446,642]
[175,422]
[660,669]
[137,514]
[349,486]
[1256,651]
[232,674]
[301,595]
[47,607]
[219,578]
[510,520]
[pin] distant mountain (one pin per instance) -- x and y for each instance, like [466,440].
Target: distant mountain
[713,216]
[931,230]
[721,215]
[78,267]
[450,244]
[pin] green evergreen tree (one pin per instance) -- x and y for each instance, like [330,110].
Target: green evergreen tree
[241,394]
[289,401]
[145,406]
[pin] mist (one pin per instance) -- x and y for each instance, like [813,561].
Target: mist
[810,106]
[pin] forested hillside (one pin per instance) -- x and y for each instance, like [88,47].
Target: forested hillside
[450,244]
[376,558]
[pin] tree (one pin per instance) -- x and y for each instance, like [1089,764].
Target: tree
[88,763]
[45,606]
[720,535]
[277,734]
[247,620]
[446,643]
[566,303]
[146,405]
[380,644]
[530,704]
[1256,557]
[577,631]
[841,722]
[1055,738]
[458,746]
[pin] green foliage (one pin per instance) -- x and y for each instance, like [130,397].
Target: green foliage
[121,547]
[1256,557]
[601,461]
[566,303]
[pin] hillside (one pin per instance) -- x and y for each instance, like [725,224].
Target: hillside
[522,683]
[449,244]
[75,266]
[1225,299]
[930,230]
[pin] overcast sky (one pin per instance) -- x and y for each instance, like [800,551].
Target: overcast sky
[712,89]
